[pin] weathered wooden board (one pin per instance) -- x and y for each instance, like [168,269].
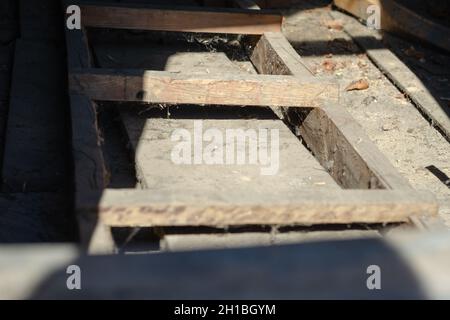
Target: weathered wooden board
[191,208]
[224,89]
[36,217]
[399,74]
[190,242]
[151,56]
[206,21]
[152,145]
[335,138]
[35,135]
[398,18]
[89,168]
[273,54]
[291,166]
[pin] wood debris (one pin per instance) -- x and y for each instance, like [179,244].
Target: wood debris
[360,84]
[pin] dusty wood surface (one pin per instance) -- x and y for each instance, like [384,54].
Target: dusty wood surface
[273,54]
[225,89]
[211,21]
[294,169]
[335,139]
[399,18]
[401,75]
[8,21]
[387,117]
[171,208]
[411,266]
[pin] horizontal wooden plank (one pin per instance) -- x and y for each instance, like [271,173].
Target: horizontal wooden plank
[211,21]
[221,89]
[121,207]
[214,241]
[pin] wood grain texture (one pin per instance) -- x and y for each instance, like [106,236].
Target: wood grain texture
[293,168]
[398,18]
[221,89]
[335,138]
[90,172]
[167,208]
[217,21]
[273,54]
[344,149]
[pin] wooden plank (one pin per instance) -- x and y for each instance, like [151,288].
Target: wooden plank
[167,208]
[273,54]
[205,21]
[397,18]
[291,168]
[34,158]
[344,149]
[150,139]
[89,165]
[225,89]
[334,137]
[399,74]
[36,217]
[190,242]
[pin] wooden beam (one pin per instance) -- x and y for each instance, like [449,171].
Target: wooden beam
[154,208]
[90,172]
[399,74]
[223,89]
[398,18]
[344,149]
[334,137]
[273,54]
[231,21]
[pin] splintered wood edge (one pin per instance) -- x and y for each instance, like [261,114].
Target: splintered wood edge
[127,207]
